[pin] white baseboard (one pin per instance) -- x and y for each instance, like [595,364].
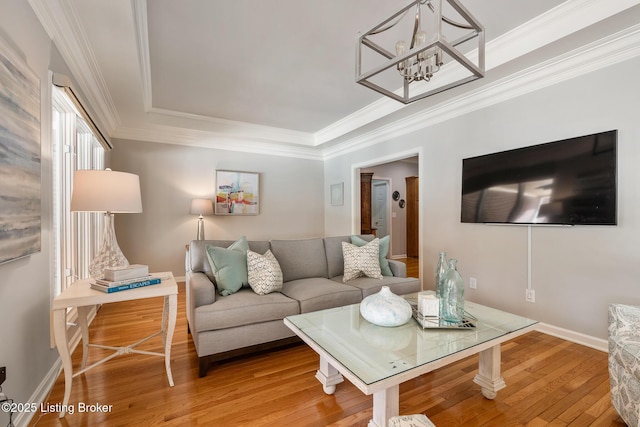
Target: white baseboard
[399,256]
[40,394]
[576,337]
[180,278]
[47,383]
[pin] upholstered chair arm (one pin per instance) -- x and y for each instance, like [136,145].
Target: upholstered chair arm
[624,321]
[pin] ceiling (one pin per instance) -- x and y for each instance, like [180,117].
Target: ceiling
[263,72]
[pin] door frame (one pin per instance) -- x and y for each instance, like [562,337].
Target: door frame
[355,195]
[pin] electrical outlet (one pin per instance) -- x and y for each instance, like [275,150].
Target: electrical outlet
[530,296]
[3,374]
[473,283]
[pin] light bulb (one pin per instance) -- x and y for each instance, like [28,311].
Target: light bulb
[401,48]
[421,38]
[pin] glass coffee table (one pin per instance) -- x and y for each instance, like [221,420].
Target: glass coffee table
[377,359]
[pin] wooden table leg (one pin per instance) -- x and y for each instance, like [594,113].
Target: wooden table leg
[83,322]
[171,326]
[60,334]
[386,404]
[489,376]
[328,376]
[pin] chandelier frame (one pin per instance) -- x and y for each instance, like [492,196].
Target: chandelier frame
[391,60]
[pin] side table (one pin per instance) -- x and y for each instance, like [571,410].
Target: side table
[80,295]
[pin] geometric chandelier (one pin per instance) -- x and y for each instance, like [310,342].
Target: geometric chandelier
[403,53]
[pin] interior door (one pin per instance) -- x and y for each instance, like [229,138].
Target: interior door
[380,207]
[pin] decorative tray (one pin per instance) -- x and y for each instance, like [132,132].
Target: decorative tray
[468,322]
[429,322]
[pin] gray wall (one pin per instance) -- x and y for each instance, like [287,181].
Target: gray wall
[25,284]
[576,271]
[291,199]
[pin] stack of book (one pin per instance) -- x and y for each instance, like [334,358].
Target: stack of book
[123,278]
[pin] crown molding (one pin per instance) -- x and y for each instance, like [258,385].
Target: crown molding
[607,51]
[564,19]
[232,128]
[61,22]
[141,29]
[216,140]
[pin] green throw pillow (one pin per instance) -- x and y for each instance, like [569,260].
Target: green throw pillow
[383,252]
[229,266]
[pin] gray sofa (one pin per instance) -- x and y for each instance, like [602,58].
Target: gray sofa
[244,322]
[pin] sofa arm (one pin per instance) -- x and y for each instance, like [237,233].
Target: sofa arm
[202,290]
[398,268]
[199,291]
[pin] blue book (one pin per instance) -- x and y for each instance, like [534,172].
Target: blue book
[133,285]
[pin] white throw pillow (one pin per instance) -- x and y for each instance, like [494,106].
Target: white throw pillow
[265,275]
[361,261]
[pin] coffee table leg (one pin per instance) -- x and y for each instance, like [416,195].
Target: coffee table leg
[328,376]
[489,376]
[386,404]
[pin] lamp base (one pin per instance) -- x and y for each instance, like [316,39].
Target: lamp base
[200,235]
[110,254]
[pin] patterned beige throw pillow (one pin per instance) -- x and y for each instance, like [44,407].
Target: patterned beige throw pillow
[361,261]
[265,275]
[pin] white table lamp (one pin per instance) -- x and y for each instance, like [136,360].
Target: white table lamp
[109,192]
[201,207]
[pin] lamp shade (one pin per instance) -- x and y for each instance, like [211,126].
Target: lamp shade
[106,191]
[201,207]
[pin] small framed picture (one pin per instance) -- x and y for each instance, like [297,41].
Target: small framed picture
[337,194]
[237,193]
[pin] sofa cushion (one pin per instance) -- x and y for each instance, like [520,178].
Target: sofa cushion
[264,273]
[397,285]
[198,260]
[359,261]
[383,251]
[333,249]
[245,307]
[300,259]
[229,266]
[318,293]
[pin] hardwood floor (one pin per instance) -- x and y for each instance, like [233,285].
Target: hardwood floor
[549,382]
[413,266]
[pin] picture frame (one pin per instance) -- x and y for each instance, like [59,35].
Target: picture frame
[237,193]
[337,194]
[20,164]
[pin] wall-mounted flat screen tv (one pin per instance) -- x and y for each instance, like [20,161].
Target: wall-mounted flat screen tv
[568,182]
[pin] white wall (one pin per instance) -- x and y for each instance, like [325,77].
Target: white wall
[291,199]
[25,283]
[576,271]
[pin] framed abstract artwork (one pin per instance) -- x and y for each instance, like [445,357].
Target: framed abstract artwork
[237,193]
[20,158]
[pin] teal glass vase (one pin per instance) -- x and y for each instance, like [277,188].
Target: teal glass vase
[452,294]
[441,268]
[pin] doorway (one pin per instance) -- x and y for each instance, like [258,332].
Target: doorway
[393,169]
[380,207]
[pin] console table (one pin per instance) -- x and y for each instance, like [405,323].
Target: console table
[80,295]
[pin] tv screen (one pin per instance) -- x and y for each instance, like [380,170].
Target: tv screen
[568,182]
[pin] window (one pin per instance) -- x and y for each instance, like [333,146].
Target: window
[77,235]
